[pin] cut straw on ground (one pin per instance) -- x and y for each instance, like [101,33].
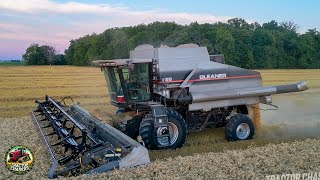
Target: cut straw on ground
[251,163]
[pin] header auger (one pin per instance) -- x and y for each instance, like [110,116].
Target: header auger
[80,143]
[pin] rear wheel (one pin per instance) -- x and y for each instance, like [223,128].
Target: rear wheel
[177,131]
[239,127]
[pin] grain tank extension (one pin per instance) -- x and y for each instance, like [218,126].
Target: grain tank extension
[168,91]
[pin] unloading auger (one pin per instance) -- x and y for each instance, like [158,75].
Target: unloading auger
[80,143]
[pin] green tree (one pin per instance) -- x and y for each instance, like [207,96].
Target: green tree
[225,44]
[35,55]
[50,53]
[248,45]
[261,42]
[42,55]
[59,59]
[290,26]
[310,46]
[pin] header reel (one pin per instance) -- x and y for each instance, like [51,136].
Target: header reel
[80,143]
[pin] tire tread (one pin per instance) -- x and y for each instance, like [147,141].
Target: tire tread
[146,130]
[232,124]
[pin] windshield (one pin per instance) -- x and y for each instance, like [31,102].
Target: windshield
[136,82]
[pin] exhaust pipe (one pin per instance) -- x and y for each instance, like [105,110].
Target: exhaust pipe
[248,92]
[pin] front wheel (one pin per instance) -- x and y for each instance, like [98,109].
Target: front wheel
[177,132]
[239,127]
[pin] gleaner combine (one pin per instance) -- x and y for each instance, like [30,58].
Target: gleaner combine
[166,92]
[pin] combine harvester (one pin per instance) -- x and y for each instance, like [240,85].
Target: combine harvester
[165,92]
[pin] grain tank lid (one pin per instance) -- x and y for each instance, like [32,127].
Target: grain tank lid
[180,59]
[184,52]
[144,47]
[119,62]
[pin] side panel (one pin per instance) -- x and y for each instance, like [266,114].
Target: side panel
[211,76]
[243,78]
[207,106]
[220,79]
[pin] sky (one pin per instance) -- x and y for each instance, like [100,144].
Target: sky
[56,22]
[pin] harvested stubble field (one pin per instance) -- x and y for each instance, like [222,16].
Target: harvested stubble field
[296,119]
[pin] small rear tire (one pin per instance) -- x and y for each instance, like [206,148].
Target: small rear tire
[239,127]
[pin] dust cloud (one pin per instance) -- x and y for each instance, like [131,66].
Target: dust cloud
[298,116]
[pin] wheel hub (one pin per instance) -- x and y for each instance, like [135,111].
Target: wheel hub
[243,131]
[173,132]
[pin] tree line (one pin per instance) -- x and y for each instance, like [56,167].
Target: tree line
[248,45]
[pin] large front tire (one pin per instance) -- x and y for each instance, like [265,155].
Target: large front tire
[177,130]
[239,127]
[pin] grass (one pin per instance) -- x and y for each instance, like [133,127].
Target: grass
[21,85]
